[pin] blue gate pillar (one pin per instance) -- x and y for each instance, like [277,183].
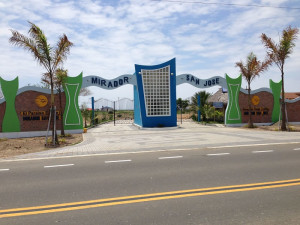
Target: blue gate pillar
[155,95]
[199,105]
[93,111]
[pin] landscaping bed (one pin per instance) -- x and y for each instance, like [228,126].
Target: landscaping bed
[19,146]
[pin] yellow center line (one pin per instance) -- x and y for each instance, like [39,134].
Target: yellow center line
[146,198]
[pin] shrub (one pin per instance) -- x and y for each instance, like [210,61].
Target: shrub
[193,117]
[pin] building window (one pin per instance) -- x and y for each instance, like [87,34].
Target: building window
[156,84]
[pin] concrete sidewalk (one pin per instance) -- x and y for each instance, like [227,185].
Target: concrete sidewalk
[108,138]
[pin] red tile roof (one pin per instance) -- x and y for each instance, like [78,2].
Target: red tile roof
[291,95]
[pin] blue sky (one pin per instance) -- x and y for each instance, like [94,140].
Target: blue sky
[111,36]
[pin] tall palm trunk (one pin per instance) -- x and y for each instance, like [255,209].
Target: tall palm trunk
[53,111]
[283,124]
[62,130]
[250,123]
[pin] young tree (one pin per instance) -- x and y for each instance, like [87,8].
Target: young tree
[85,113]
[49,57]
[60,78]
[182,104]
[208,111]
[203,101]
[278,53]
[85,92]
[250,70]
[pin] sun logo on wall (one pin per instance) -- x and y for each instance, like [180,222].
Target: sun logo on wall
[255,100]
[41,101]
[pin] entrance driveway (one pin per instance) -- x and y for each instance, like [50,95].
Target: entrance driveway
[108,138]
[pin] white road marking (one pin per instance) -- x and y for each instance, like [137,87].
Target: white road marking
[4,170]
[171,157]
[117,161]
[92,155]
[142,152]
[296,149]
[266,151]
[250,145]
[216,154]
[58,165]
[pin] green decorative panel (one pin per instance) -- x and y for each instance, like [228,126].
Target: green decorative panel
[72,113]
[276,90]
[233,111]
[10,121]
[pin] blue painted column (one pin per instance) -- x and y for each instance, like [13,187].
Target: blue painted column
[199,105]
[93,111]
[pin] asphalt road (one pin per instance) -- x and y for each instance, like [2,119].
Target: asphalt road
[226,185]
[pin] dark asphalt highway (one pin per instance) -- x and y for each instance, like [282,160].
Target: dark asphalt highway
[82,181]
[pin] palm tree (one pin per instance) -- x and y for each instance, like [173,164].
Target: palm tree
[278,53]
[60,78]
[50,58]
[249,71]
[182,104]
[85,113]
[203,101]
[208,111]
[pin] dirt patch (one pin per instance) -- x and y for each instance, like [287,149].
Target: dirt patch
[19,146]
[184,116]
[274,127]
[292,128]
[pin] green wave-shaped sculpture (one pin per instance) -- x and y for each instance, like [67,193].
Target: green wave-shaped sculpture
[276,90]
[233,112]
[10,121]
[72,113]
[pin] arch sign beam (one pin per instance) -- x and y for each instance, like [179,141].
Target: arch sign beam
[100,82]
[201,83]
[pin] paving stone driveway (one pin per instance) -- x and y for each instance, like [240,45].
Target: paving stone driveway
[108,138]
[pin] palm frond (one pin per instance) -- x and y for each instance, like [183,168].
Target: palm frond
[243,69]
[287,42]
[41,40]
[278,53]
[28,44]
[46,78]
[253,68]
[271,46]
[62,50]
